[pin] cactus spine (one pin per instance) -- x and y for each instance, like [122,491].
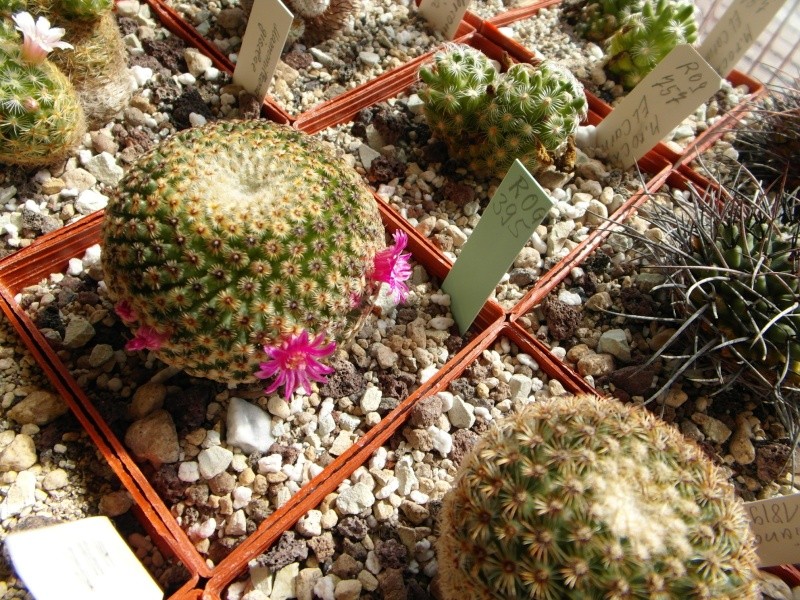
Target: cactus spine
[583,497]
[227,238]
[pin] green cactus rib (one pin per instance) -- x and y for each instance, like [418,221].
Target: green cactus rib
[41,119]
[644,39]
[584,497]
[489,119]
[228,237]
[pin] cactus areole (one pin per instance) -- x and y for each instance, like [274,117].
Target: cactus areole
[228,241]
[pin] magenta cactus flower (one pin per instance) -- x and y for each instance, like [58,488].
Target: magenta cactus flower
[146,338]
[392,267]
[295,363]
[39,39]
[125,311]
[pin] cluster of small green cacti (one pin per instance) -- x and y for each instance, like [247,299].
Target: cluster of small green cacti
[97,65]
[223,239]
[583,497]
[636,34]
[488,118]
[41,118]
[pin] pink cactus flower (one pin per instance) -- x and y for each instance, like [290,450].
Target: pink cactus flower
[125,311]
[38,38]
[146,338]
[295,363]
[391,266]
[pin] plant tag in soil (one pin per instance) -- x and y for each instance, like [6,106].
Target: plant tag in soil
[444,15]
[267,29]
[507,223]
[672,91]
[84,559]
[736,31]
[776,525]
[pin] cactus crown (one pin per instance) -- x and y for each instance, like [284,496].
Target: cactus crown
[646,38]
[583,497]
[231,237]
[597,21]
[489,119]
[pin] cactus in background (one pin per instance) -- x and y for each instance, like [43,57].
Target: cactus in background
[584,497]
[489,119]
[598,20]
[239,236]
[41,119]
[98,65]
[733,277]
[646,38]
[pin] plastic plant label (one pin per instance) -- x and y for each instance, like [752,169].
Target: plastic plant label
[515,211]
[674,89]
[444,15]
[736,31]
[84,559]
[776,525]
[267,30]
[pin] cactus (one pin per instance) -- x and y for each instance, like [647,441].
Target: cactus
[769,142]
[584,497]
[733,282]
[41,119]
[646,38]
[236,236]
[600,19]
[98,65]
[489,119]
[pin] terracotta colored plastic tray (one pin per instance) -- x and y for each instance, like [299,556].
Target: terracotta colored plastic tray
[337,472]
[50,254]
[272,107]
[701,142]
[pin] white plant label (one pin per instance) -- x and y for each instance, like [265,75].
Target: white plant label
[444,15]
[84,559]
[776,525]
[736,31]
[672,91]
[507,223]
[266,33]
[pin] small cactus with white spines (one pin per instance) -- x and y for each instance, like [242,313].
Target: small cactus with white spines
[236,236]
[41,119]
[584,497]
[489,119]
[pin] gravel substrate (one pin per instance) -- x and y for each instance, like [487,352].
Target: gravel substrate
[548,34]
[374,537]
[218,493]
[380,36]
[50,472]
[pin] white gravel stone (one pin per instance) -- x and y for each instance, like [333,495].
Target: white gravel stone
[569,298]
[189,471]
[213,461]
[248,426]
[615,343]
[355,499]
[371,400]
[90,201]
[461,414]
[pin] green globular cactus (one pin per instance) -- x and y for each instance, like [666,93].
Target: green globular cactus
[83,9]
[598,20]
[488,118]
[584,497]
[230,237]
[647,37]
[41,119]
